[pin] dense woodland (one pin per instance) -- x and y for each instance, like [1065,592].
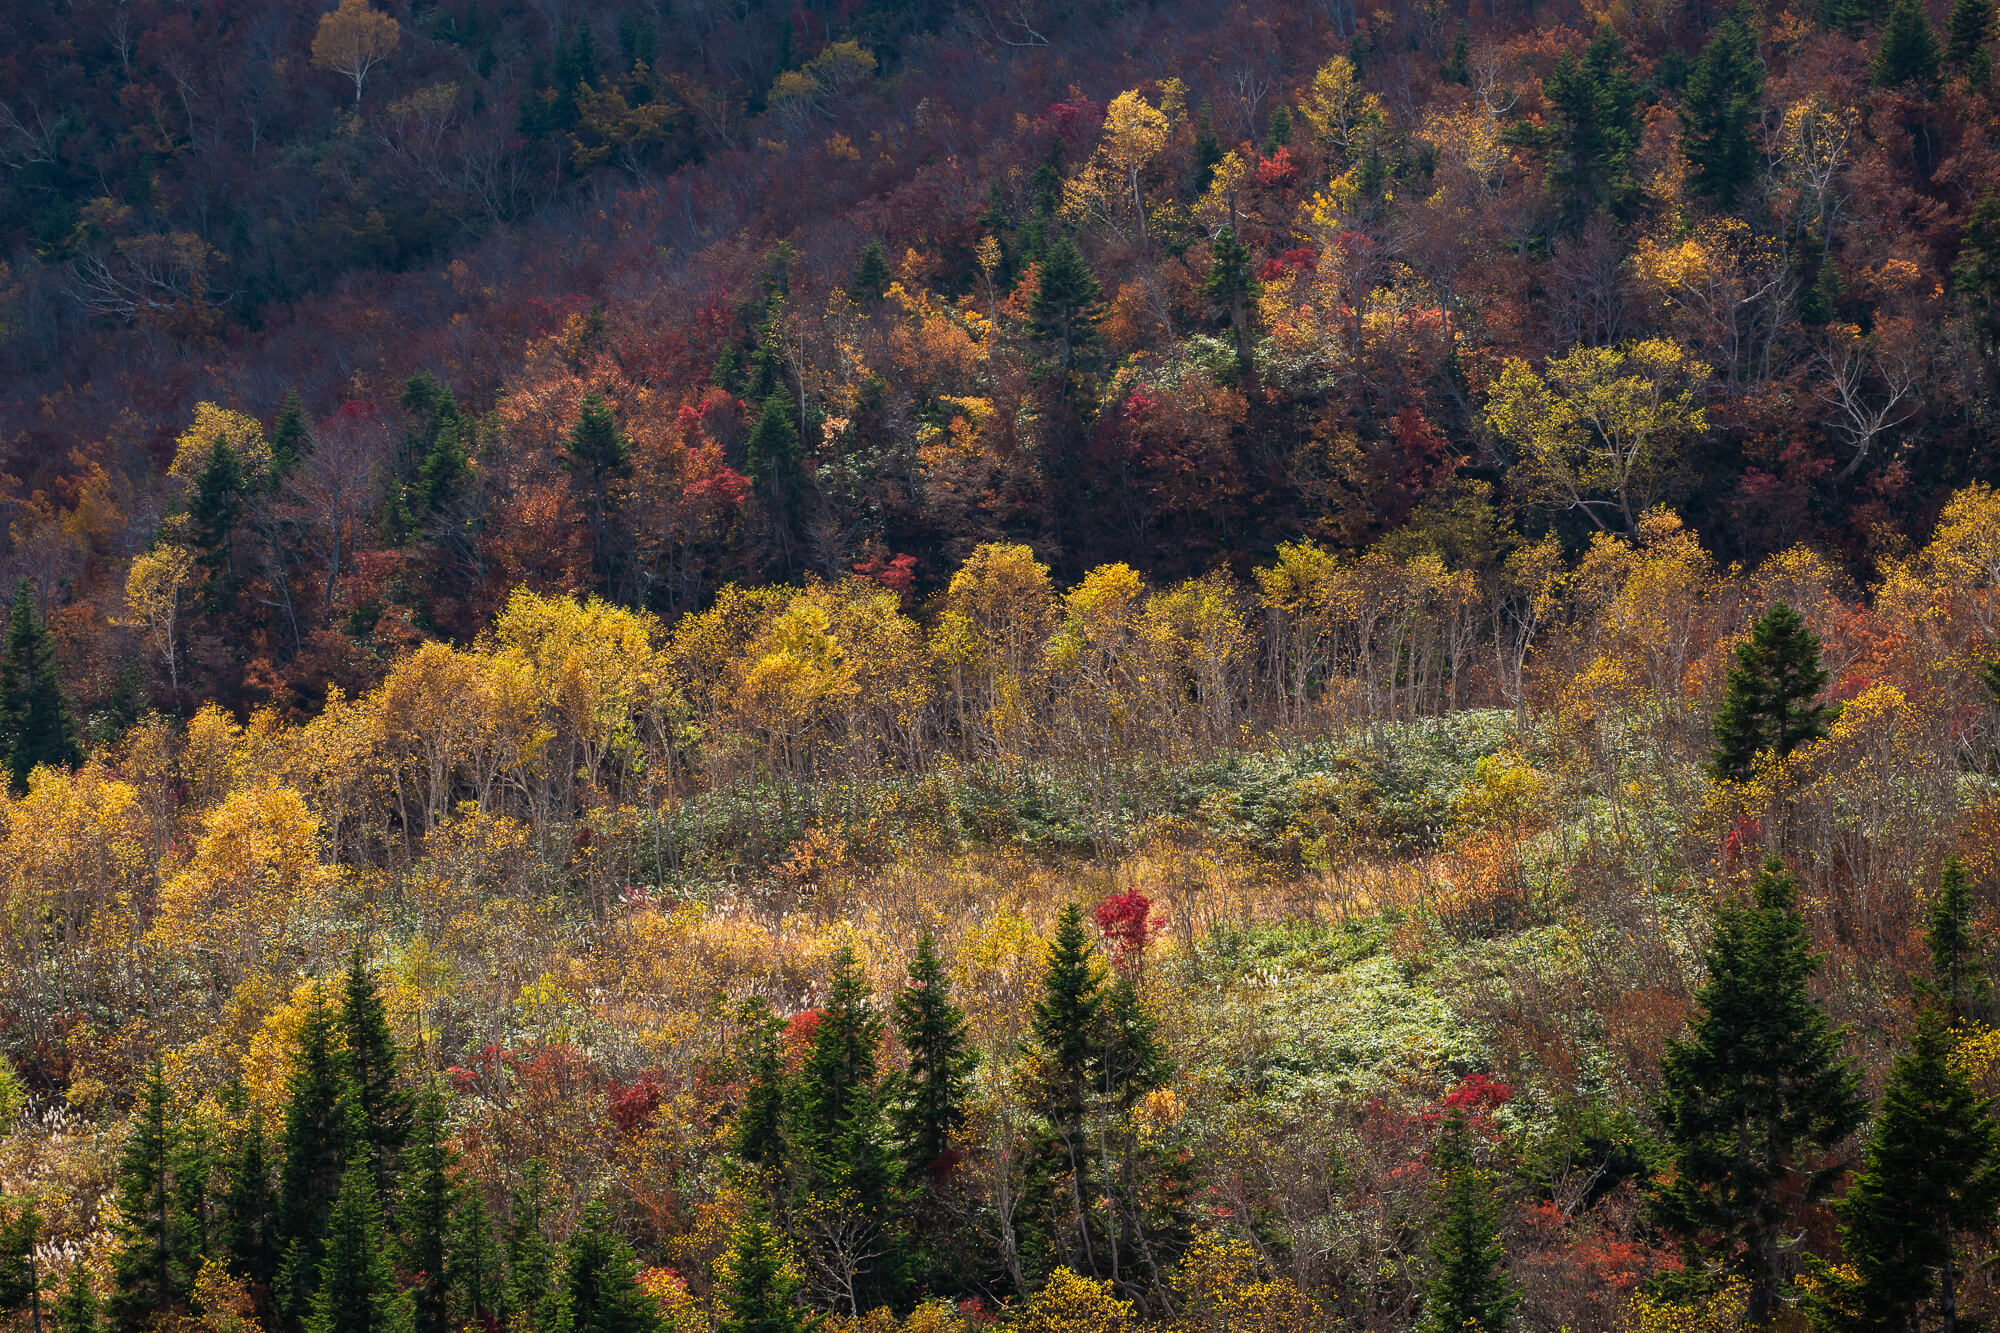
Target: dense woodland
[718,668]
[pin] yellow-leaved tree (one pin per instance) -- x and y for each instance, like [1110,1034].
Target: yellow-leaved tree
[1601,429]
[353,40]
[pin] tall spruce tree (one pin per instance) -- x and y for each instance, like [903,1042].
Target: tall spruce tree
[1908,52]
[20,1271]
[1719,112]
[1930,1174]
[871,277]
[837,1112]
[36,726]
[1975,276]
[324,1130]
[536,1294]
[1066,1026]
[1064,312]
[1596,107]
[1968,33]
[758,1137]
[375,1065]
[598,453]
[1756,1089]
[429,1202]
[152,1271]
[1770,705]
[76,1310]
[215,510]
[1958,974]
[476,1272]
[1842,16]
[772,459]
[248,1232]
[759,1291]
[1231,289]
[929,1106]
[1469,1290]
[290,437]
[603,1279]
[357,1290]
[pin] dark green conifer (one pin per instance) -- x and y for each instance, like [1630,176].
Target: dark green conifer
[771,457]
[1469,1290]
[290,437]
[324,1130]
[1135,1059]
[357,1290]
[758,1137]
[474,1265]
[36,726]
[429,1202]
[1976,278]
[1968,33]
[1908,52]
[760,1292]
[1458,65]
[930,1102]
[837,1111]
[871,277]
[603,1278]
[1207,149]
[77,1309]
[151,1270]
[1755,1092]
[1719,112]
[1842,16]
[1231,288]
[536,1293]
[1064,309]
[1770,704]
[1596,106]
[20,1273]
[214,512]
[249,1225]
[1929,1175]
[375,1065]
[1066,1027]
[1958,973]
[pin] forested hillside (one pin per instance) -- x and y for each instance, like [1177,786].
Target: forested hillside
[729,668]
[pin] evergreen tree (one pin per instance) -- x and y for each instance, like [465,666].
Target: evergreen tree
[1908,53]
[1596,106]
[603,1278]
[357,1291]
[1967,35]
[192,1161]
[1064,309]
[1231,288]
[930,1103]
[1930,1173]
[535,1291]
[214,512]
[1769,704]
[871,277]
[76,1310]
[375,1065]
[1976,274]
[1842,16]
[837,1110]
[290,439]
[429,1196]
[36,727]
[758,1138]
[248,1232]
[1279,132]
[1469,1290]
[1755,1088]
[1207,149]
[20,1275]
[771,457]
[760,1292]
[476,1275]
[1958,980]
[597,453]
[1065,1029]
[323,1131]
[1719,111]
[1458,65]
[151,1271]
[1135,1061]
